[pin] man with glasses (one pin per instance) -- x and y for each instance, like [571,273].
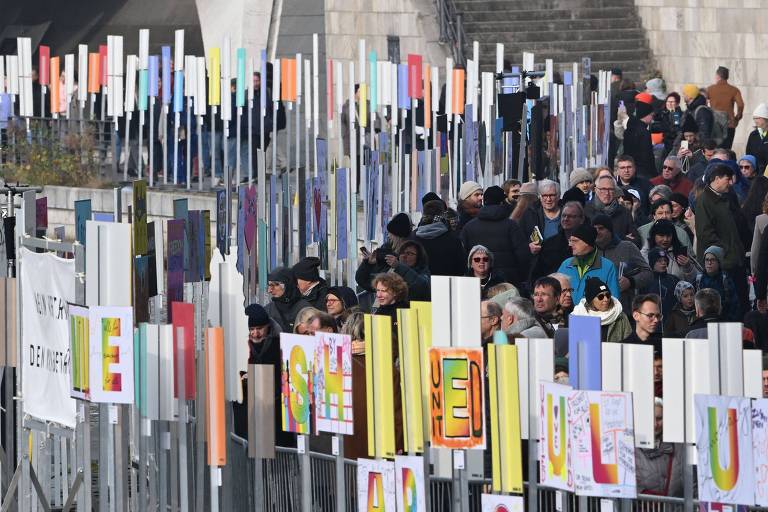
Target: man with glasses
[490,320]
[671,176]
[545,215]
[605,202]
[546,296]
[646,311]
[626,176]
[566,295]
[552,251]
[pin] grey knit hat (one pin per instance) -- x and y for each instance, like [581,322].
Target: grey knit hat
[579,175]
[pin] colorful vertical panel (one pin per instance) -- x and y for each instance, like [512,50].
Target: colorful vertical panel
[183,315]
[375,485]
[216,431]
[111,354]
[456,397]
[79,347]
[332,383]
[297,355]
[760,449]
[140,217]
[555,464]
[379,386]
[175,285]
[412,361]
[724,449]
[409,484]
[506,451]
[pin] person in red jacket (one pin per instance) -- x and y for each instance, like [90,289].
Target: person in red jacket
[671,176]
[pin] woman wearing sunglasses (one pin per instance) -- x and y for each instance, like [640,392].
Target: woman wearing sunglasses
[598,302]
[480,265]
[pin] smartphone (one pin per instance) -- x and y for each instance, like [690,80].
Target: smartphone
[684,144]
[365,251]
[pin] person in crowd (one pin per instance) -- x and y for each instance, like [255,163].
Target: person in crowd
[312,287]
[637,139]
[598,302]
[302,325]
[658,375]
[544,217]
[411,264]
[502,289]
[511,192]
[374,262]
[340,301]
[761,274]
[502,236]
[659,192]
[715,278]
[752,206]
[431,196]
[646,311]
[561,371]
[761,221]
[680,204]
[662,209]
[565,300]
[757,142]
[490,320]
[480,265]
[663,235]
[470,202]
[633,270]
[444,250]
[677,321]
[452,218]
[699,161]
[671,176]
[391,294]
[286,299]
[528,198]
[549,254]
[663,283]
[708,309]
[697,107]
[322,322]
[659,469]
[605,202]
[546,296]
[586,263]
[723,97]
[627,178]
[630,201]
[669,121]
[518,320]
[716,225]
[583,180]
[739,184]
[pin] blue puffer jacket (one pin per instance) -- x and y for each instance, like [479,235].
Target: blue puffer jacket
[601,268]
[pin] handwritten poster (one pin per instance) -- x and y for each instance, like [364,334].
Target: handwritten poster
[499,503]
[332,383]
[724,449]
[555,460]
[111,354]
[760,450]
[296,353]
[375,485]
[456,397]
[409,481]
[602,431]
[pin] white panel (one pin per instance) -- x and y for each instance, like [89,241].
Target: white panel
[12,65]
[108,264]
[178,59]
[69,75]
[725,352]
[130,83]
[159,257]
[144,48]
[528,61]
[673,386]
[524,382]
[499,57]
[190,75]
[541,367]
[435,90]
[441,311]
[465,308]
[226,62]
[698,381]
[167,404]
[638,380]
[201,99]
[448,88]
[82,72]
[308,88]
[250,66]
[276,80]
[339,75]
[153,372]
[361,61]
[611,366]
[753,373]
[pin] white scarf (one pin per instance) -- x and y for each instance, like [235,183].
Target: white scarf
[606,317]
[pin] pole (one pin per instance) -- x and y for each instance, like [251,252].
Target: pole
[127,144]
[151,142]
[182,422]
[213,146]
[188,142]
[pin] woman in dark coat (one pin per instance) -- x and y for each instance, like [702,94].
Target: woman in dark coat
[339,301]
[444,250]
[286,299]
[480,265]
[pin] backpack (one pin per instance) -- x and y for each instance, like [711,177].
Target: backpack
[719,123]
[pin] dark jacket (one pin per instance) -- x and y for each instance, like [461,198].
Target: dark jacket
[660,470]
[444,250]
[623,224]
[643,186]
[629,263]
[715,225]
[654,340]
[704,118]
[503,237]
[638,145]
[494,278]
[723,284]
[284,309]
[316,296]
[757,146]
[663,285]
[417,278]
[698,329]
[366,271]
[554,251]
[678,321]
[465,215]
[761,277]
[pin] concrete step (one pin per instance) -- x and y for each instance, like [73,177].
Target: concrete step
[634,69]
[514,23]
[496,33]
[616,15]
[545,47]
[541,5]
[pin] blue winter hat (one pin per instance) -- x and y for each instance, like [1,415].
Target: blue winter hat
[751,159]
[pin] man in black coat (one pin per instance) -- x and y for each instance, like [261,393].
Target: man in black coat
[757,143]
[445,253]
[312,287]
[637,139]
[550,254]
[605,202]
[501,235]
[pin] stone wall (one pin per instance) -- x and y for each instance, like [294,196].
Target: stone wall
[691,38]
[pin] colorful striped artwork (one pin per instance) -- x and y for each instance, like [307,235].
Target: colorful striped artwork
[216,431]
[79,347]
[332,384]
[111,354]
[297,356]
[555,461]
[410,485]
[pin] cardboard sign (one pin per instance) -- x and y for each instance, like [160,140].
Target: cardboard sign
[375,485]
[111,354]
[297,355]
[555,451]
[332,383]
[409,484]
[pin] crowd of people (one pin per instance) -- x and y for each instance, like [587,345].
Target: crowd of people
[669,239]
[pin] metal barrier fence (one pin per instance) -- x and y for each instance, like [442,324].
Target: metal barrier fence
[282,490]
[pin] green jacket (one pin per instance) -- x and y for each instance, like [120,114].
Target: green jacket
[715,225]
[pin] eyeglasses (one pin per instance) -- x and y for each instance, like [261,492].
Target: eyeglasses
[747,167]
[651,316]
[668,167]
[331,301]
[605,189]
[548,196]
[274,284]
[479,260]
[603,296]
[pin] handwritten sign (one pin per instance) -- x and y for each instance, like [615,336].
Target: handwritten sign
[555,460]
[333,383]
[375,485]
[111,354]
[409,481]
[297,354]
[760,450]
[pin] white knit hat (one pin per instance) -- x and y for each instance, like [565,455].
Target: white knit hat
[468,188]
[761,111]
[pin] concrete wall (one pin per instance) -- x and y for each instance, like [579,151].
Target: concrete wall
[691,38]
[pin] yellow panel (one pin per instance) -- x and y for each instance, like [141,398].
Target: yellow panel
[410,379]
[369,383]
[493,421]
[214,77]
[509,421]
[379,380]
[363,105]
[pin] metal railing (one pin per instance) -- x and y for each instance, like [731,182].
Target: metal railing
[452,30]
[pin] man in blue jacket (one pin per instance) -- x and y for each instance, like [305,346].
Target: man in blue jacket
[586,263]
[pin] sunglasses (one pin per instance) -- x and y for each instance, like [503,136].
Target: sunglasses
[668,167]
[748,167]
[603,296]
[483,260]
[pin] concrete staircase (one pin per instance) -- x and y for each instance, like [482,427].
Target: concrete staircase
[608,31]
